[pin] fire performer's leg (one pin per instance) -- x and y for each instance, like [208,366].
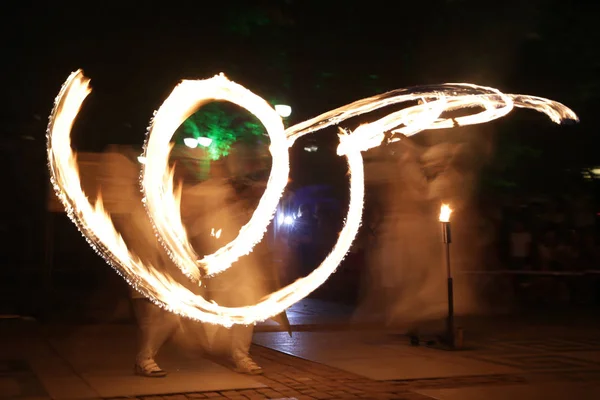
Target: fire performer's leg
[156,326]
[241,338]
[241,335]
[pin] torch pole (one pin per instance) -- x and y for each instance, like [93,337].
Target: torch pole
[447,237]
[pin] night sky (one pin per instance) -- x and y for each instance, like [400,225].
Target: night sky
[315,54]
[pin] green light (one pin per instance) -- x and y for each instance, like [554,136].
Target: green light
[216,127]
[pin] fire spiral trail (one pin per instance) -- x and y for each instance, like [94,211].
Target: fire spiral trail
[163,206]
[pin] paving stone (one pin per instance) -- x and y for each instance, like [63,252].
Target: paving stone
[322,395]
[256,396]
[290,392]
[214,395]
[231,393]
[270,393]
[288,377]
[247,392]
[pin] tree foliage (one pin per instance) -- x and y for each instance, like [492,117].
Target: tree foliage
[224,124]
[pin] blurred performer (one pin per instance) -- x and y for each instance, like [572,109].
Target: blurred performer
[214,214]
[408,253]
[119,186]
[406,277]
[403,280]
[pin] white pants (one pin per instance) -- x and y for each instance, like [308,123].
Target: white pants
[156,326]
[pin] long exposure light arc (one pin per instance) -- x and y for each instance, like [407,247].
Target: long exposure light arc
[189,95]
[163,207]
[458,95]
[97,227]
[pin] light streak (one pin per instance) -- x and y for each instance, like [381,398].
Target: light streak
[162,203]
[163,206]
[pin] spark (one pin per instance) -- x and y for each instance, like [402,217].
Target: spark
[162,200]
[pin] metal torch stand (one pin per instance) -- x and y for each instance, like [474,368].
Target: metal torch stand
[452,338]
[449,339]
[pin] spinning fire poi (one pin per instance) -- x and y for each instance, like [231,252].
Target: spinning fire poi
[162,200]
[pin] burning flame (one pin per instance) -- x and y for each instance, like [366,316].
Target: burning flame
[445,212]
[163,206]
[162,201]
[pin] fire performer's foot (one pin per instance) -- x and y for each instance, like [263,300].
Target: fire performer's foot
[245,365]
[149,368]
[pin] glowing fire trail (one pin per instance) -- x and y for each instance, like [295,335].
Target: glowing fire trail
[98,229]
[163,205]
[164,210]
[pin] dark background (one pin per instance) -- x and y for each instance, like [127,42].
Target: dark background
[313,55]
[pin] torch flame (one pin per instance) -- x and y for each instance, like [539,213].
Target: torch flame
[445,212]
[162,200]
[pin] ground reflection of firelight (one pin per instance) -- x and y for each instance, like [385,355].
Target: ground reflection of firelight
[162,202]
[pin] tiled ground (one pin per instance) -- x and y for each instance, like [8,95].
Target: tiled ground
[17,380]
[539,363]
[288,377]
[542,355]
[533,360]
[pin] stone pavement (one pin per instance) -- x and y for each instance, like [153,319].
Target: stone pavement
[96,361]
[311,314]
[288,377]
[517,360]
